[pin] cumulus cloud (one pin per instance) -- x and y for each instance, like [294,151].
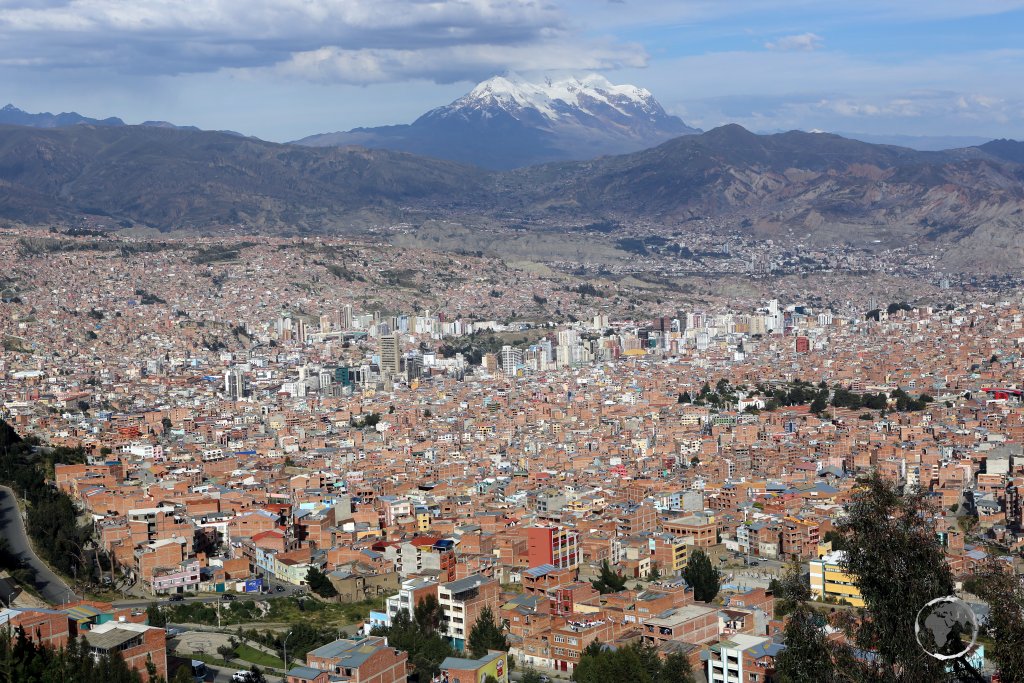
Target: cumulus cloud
[348,40]
[454,63]
[804,42]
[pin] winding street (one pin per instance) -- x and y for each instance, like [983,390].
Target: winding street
[50,586]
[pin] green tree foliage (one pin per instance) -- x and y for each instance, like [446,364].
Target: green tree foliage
[183,675]
[320,583]
[896,556]
[52,518]
[791,590]
[635,663]
[531,675]
[608,581]
[701,576]
[24,661]
[808,655]
[428,614]
[1003,592]
[837,540]
[675,668]
[226,652]
[486,634]
[256,675]
[156,617]
[426,649]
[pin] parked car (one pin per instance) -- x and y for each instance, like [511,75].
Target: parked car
[279,589]
[241,677]
[227,596]
[177,597]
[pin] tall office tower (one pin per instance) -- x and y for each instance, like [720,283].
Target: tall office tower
[775,320]
[346,317]
[300,331]
[325,323]
[511,360]
[234,383]
[390,354]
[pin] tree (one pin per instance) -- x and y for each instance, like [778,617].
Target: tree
[791,591]
[808,656]
[608,581]
[1003,592]
[320,583]
[836,539]
[226,652]
[486,635]
[531,675]
[701,576]
[675,669]
[819,404]
[256,675]
[184,675]
[166,424]
[634,663]
[655,574]
[156,617]
[426,650]
[428,614]
[895,554]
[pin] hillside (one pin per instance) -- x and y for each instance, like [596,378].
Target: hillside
[816,188]
[821,186]
[173,179]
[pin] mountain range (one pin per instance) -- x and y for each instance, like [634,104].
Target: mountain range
[506,122]
[11,115]
[792,185]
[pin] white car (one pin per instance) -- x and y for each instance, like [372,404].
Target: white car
[241,677]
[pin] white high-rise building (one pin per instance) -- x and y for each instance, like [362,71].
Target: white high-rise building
[234,383]
[511,360]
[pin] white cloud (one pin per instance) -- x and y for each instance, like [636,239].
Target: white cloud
[353,40]
[455,63]
[804,42]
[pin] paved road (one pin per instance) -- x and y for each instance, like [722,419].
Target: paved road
[50,586]
[288,591]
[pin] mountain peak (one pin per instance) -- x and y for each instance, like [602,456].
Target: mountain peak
[508,122]
[555,99]
[19,117]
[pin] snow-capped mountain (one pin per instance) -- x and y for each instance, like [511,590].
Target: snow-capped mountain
[506,122]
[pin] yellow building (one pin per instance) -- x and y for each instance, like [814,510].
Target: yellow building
[830,582]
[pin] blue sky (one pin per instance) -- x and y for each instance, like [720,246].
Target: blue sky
[282,69]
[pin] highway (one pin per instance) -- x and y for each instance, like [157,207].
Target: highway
[50,586]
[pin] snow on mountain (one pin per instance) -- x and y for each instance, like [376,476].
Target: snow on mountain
[509,122]
[558,100]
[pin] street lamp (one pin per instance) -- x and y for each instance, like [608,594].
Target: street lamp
[286,651]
